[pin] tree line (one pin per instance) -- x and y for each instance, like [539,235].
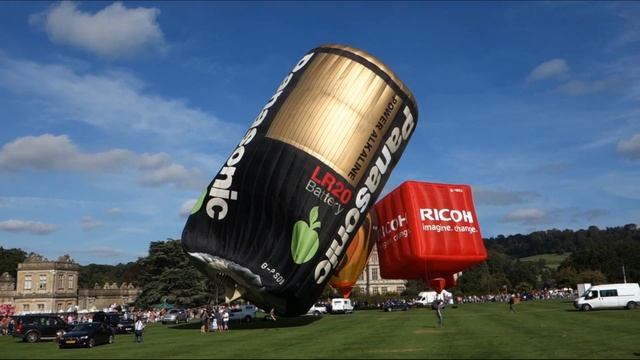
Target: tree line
[595,255]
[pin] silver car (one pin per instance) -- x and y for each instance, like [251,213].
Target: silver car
[174,316]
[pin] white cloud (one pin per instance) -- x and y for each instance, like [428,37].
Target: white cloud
[173,174]
[589,214]
[32,227]
[623,184]
[113,32]
[99,251]
[549,69]
[525,216]
[582,87]
[185,208]
[113,102]
[88,223]
[114,211]
[629,15]
[51,152]
[630,148]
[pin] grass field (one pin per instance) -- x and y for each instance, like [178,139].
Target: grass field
[551,260]
[538,329]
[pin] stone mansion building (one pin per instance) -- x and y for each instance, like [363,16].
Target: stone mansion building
[52,286]
[371,283]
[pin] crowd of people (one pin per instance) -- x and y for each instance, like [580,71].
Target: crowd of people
[546,294]
[7,325]
[214,319]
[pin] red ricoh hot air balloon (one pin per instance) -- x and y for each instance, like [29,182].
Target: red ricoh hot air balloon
[355,260]
[428,231]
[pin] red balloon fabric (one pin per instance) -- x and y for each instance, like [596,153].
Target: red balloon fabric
[428,231]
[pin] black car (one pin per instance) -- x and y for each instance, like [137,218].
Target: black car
[395,305]
[117,322]
[34,327]
[88,335]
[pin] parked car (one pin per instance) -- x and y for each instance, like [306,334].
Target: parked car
[245,313]
[175,316]
[88,335]
[119,323]
[317,309]
[392,305]
[34,327]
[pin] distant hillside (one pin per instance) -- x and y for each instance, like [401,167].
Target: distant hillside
[604,251]
[560,241]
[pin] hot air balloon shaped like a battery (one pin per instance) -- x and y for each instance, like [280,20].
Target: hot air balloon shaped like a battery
[275,222]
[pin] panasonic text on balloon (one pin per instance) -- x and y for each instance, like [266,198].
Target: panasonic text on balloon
[370,145]
[217,206]
[396,137]
[446,215]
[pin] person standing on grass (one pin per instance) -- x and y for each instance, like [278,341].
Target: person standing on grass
[225,319]
[138,329]
[512,300]
[218,315]
[439,307]
[205,321]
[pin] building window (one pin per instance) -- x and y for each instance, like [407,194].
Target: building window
[374,274]
[25,307]
[27,284]
[61,281]
[383,289]
[43,282]
[59,307]
[41,307]
[400,289]
[374,290]
[70,282]
[361,277]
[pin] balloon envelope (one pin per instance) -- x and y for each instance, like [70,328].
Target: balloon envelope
[428,231]
[356,257]
[278,217]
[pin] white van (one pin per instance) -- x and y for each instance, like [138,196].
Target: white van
[341,306]
[425,298]
[609,296]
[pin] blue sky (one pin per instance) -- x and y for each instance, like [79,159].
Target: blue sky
[114,116]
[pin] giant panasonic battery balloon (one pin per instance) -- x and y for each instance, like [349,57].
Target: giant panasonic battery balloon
[428,231]
[356,257]
[279,216]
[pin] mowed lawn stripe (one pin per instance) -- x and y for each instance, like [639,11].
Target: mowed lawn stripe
[538,329]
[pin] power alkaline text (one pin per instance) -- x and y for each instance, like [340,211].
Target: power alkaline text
[397,136]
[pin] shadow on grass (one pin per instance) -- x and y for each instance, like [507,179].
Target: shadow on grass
[258,323]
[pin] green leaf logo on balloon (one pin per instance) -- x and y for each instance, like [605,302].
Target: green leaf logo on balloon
[304,239]
[198,203]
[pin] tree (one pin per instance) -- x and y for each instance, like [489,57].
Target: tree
[592,277]
[414,287]
[9,260]
[567,277]
[167,274]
